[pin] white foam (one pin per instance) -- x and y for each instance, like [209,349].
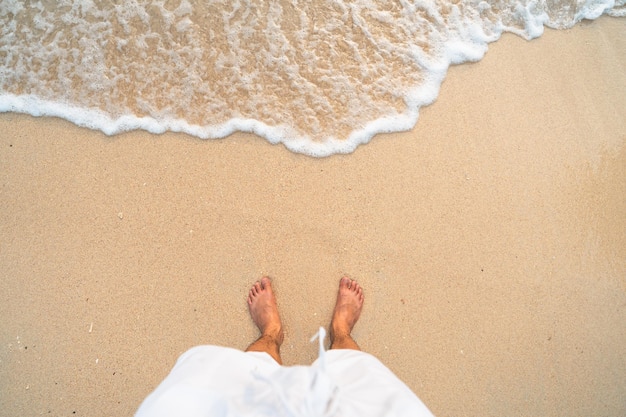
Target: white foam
[320,80]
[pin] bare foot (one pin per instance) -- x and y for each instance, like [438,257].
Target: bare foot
[347,311]
[264,310]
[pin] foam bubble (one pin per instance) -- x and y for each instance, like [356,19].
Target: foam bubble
[321,78]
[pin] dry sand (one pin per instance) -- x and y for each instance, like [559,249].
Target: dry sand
[491,242]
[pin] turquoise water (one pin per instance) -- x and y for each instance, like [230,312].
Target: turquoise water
[319,76]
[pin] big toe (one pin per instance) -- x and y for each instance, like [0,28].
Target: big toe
[345,282]
[266,282]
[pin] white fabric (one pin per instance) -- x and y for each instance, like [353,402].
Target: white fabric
[223,382]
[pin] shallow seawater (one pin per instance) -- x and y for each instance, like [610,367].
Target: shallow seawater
[320,76]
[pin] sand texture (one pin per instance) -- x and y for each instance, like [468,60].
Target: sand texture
[490,240]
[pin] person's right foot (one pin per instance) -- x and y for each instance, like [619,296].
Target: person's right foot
[347,309]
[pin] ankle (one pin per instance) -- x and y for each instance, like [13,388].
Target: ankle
[343,342]
[274,335]
[338,336]
[338,331]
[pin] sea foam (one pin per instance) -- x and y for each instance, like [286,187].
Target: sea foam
[321,76]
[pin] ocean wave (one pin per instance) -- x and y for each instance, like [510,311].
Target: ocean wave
[321,77]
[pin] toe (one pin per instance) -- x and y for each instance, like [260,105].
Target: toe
[265,282]
[345,282]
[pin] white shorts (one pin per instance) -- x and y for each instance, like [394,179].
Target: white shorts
[218,381]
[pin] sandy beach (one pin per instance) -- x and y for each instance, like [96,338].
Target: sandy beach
[490,240]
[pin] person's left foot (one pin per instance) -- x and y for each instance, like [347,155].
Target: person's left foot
[264,310]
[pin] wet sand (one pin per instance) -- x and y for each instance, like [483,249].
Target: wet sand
[490,240]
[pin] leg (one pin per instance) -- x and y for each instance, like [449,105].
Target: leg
[347,312]
[264,312]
